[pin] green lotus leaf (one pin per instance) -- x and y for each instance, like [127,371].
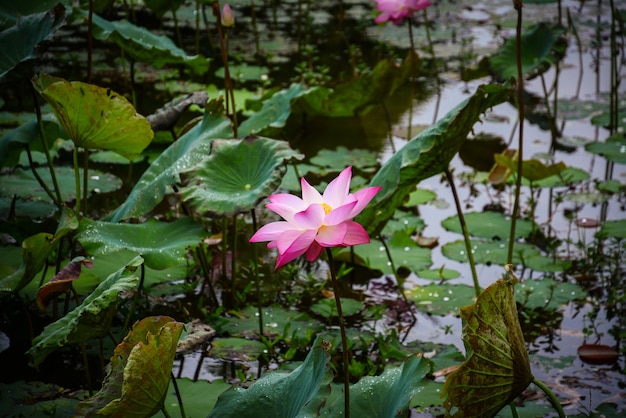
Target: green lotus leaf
[34,399]
[488,252]
[137,383]
[160,7]
[327,307]
[143,45]
[612,149]
[35,251]
[565,178]
[27,134]
[494,225]
[186,152]
[276,394]
[237,174]
[425,155]
[541,45]
[496,369]
[385,396]
[162,244]
[276,321]
[95,117]
[274,112]
[19,41]
[23,184]
[438,274]
[364,160]
[441,298]
[547,293]
[616,229]
[92,318]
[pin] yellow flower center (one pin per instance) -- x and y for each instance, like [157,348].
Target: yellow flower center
[327,208]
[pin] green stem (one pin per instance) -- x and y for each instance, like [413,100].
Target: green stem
[38,177]
[520,108]
[551,396]
[180,399]
[412,81]
[342,330]
[77,179]
[466,237]
[228,82]
[395,273]
[432,53]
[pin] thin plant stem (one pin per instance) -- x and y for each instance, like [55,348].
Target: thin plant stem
[255,267]
[38,177]
[89,40]
[436,66]
[59,200]
[167,415]
[466,238]
[520,108]
[131,310]
[342,330]
[180,399]
[551,396]
[77,179]
[228,82]
[400,281]
[412,82]
[233,251]
[85,179]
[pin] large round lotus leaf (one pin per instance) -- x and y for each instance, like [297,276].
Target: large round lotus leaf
[420,197]
[488,225]
[616,229]
[236,349]
[441,299]
[489,252]
[542,45]
[565,178]
[614,149]
[237,175]
[546,263]
[22,183]
[328,308]
[162,244]
[404,253]
[95,117]
[497,368]
[547,293]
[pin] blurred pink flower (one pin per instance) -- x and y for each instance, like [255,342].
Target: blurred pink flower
[228,17]
[397,10]
[316,221]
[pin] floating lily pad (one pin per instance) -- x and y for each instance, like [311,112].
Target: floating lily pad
[489,252]
[420,197]
[244,72]
[328,308]
[614,149]
[23,184]
[404,253]
[34,399]
[276,321]
[340,157]
[236,349]
[565,178]
[439,274]
[488,225]
[441,298]
[547,293]
[587,197]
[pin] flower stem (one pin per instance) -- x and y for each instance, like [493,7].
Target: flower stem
[551,396]
[342,329]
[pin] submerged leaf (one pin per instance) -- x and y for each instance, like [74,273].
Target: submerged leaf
[140,371]
[425,155]
[496,369]
[90,319]
[95,117]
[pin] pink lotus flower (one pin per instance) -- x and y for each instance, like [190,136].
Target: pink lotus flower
[397,10]
[316,221]
[228,17]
